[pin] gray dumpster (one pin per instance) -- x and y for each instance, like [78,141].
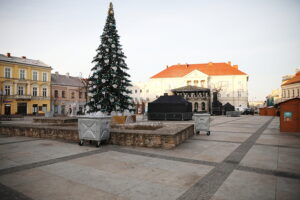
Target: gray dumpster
[93,129]
[202,123]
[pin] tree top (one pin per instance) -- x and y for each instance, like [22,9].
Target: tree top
[111,9]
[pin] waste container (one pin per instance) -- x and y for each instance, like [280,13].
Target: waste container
[93,129]
[202,123]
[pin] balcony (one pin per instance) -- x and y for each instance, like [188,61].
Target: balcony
[22,96]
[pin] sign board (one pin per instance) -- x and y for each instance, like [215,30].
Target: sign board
[287,116]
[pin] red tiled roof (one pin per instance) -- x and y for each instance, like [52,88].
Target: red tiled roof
[295,79]
[214,69]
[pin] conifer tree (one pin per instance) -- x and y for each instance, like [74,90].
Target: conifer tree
[109,82]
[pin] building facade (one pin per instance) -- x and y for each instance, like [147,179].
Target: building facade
[68,94]
[225,78]
[24,85]
[291,86]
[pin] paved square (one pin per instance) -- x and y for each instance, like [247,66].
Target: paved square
[244,158]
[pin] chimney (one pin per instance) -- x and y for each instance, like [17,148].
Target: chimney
[8,54]
[165,94]
[167,67]
[229,63]
[210,64]
[68,74]
[56,73]
[187,65]
[24,57]
[235,66]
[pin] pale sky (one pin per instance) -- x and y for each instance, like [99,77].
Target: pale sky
[261,36]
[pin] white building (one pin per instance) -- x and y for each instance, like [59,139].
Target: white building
[291,86]
[231,83]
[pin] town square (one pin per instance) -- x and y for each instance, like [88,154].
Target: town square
[149,100]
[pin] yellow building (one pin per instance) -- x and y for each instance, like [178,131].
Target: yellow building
[24,85]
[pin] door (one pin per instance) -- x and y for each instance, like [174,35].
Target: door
[22,108]
[34,109]
[7,109]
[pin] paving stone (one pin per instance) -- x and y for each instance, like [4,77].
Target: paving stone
[288,189]
[247,185]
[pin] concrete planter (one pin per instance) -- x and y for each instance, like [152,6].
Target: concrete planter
[94,129]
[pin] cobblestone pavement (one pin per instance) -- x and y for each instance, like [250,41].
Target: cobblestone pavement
[243,158]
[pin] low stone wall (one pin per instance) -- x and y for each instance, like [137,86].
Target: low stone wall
[69,134]
[167,137]
[56,120]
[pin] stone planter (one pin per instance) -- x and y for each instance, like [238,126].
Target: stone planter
[94,129]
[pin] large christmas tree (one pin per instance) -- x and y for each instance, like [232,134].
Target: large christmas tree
[108,83]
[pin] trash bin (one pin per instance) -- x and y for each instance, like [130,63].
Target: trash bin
[202,123]
[93,129]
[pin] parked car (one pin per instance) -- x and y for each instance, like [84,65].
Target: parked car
[248,111]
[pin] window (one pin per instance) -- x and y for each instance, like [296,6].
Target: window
[22,74]
[63,94]
[135,91]
[283,95]
[55,93]
[196,107]
[188,82]
[34,91]
[7,90]
[298,92]
[228,95]
[202,83]
[147,91]
[34,76]
[56,109]
[293,93]
[7,72]
[80,95]
[20,90]
[72,95]
[141,91]
[288,94]
[44,76]
[44,92]
[203,106]
[196,83]
[239,94]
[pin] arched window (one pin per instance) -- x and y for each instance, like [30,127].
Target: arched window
[203,106]
[196,107]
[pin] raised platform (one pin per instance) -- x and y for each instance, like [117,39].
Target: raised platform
[55,120]
[168,136]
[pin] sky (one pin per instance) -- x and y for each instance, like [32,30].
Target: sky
[261,36]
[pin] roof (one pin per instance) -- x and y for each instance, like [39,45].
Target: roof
[214,69]
[189,88]
[57,79]
[25,61]
[295,79]
[296,98]
[174,99]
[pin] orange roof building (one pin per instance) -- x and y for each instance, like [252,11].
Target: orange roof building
[227,79]
[211,69]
